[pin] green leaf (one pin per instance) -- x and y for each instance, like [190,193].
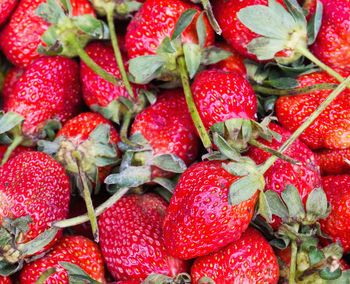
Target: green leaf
[130,177]
[9,121]
[213,54]
[66,4]
[291,198]
[110,112]
[265,207]
[169,162]
[45,275]
[209,11]
[101,133]
[276,204]
[265,48]
[50,12]
[315,23]
[333,249]
[225,148]
[166,183]
[156,278]
[151,97]
[243,189]
[166,47]
[51,128]
[206,280]
[246,130]
[184,21]
[7,269]
[237,169]
[146,68]
[316,204]
[284,83]
[296,11]
[315,255]
[77,275]
[17,225]
[344,279]
[50,37]
[92,26]
[192,57]
[201,30]
[327,274]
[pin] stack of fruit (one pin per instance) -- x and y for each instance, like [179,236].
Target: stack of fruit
[174,141]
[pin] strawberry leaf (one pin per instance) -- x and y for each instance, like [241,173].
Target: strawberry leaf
[206,280]
[169,162]
[265,48]
[291,198]
[283,83]
[243,189]
[110,112]
[236,169]
[315,23]
[130,177]
[7,269]
[276,204]
[77,275]
[264,207]
[66,4]
[50,12]
[213,54]
[316,204]
[166,46]
[9,120]
[201,30]
[343,279]
[146,68]
[87,23]
[184,21]
[192,57]
[166,183]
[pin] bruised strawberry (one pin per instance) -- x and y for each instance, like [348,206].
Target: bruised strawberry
[247,260]
[10,81]
[132,238]
[77,250]
[333,162]
[6,7]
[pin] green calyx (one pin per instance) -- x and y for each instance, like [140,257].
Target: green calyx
[121,9]
[156,278]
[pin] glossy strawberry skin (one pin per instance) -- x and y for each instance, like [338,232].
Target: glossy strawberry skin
[18,150]
[131,238]
[73,249]
[332,45]
[156,20]
[220,95]
[199,218]
[333,162]
[247,260]
[10,81]
[168,127]
[48,89]
[6,7]
[5,280]
[304,177]
[34,184]
[22,35]
[332,127]
[337,224]
[95,89]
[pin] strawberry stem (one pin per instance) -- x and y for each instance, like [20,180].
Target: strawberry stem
[124,130]
[110,11]
[293,262]
[92,64]
[17,140]
[203,134]
[296,91]
[269,162]
[99,210]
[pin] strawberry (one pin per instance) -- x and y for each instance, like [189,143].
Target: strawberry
[17,151]
[5,280]
[22,35]
[168,127]
[247,260]
[332,127]
[333,162]
[34,184]
[199,218]
[73,249]
[337,225]
[155,21]
[131,238]
[332,45]
[10,81]
[6,8]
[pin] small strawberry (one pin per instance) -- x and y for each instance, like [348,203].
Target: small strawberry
[6,8]
[199,218]
[132,238]
[10,81]
[247,260]
[337,225]
[333,162]
[332,127]
[34,185]
[72,249]
[332,45]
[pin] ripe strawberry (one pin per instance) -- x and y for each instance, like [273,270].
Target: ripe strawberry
[73,249]
[332,127]
[22,35]
[34,184]
[199,218]
[95,89]
[332,45]
[234,63]
[6,7]
[48,89]
[220,96]
[131,238]
[155,21]
[5,280]
[337,224]
[10,81]
[17,151]
[168,127]
[304,177]
[333,162]
[247,260]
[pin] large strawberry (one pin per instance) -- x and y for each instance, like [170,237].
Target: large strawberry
[132,238]
[332,45]
[32,185]
[332,127]
[6,7]
[333,162]
[199,219]
[337,225]
[22,35]
[247,260]
[77,250]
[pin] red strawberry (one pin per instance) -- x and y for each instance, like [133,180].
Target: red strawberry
[6,7]
[220,96]
[168,127]
[234,63]
[155,21]
[5,280]
[337,224]
[333,162]
[10,81]
[199,218]
[95,89]
[332,127]
[34,184]
[247,260]
[131,238]
[332,45]
[304,177]
[22,35]
[48,89]
[17,151]
[73,249]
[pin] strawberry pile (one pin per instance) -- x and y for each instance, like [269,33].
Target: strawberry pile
[175,141]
